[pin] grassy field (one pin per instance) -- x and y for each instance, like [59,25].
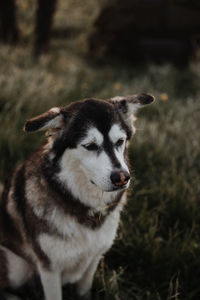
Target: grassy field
[156,255]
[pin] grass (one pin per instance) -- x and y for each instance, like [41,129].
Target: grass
[156,255]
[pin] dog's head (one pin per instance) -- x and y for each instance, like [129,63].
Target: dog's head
[91,137]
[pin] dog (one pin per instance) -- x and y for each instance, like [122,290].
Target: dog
[60,211]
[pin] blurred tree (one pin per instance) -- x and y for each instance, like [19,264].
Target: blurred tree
[8,27]
[44,19]
[9,31]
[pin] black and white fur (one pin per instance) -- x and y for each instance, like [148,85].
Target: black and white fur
[60,211]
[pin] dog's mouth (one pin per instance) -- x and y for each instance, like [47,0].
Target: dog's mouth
[114,187]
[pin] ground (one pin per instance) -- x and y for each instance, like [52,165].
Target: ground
[156,255]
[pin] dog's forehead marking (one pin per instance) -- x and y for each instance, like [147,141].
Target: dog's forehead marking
[93,135]
[116,132]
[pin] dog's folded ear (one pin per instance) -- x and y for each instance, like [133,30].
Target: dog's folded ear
[51,119]
[138,101]
[130,104]
[127,107]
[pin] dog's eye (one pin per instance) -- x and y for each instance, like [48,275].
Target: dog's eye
[91,147]
[119,143]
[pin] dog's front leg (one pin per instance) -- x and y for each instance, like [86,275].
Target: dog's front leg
[85,284]
[51,283]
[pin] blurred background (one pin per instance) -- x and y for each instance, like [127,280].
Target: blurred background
[52,53]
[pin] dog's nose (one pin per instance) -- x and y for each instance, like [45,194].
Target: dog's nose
[120,178]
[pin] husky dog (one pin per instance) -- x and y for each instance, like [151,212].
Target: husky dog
[60,211]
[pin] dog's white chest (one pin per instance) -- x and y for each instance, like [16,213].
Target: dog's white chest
[76,246]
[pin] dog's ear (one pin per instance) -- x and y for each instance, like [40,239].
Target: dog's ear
[51,119]
[130,104]
[127,107]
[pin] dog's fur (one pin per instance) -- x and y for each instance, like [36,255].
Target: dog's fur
[60,211]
